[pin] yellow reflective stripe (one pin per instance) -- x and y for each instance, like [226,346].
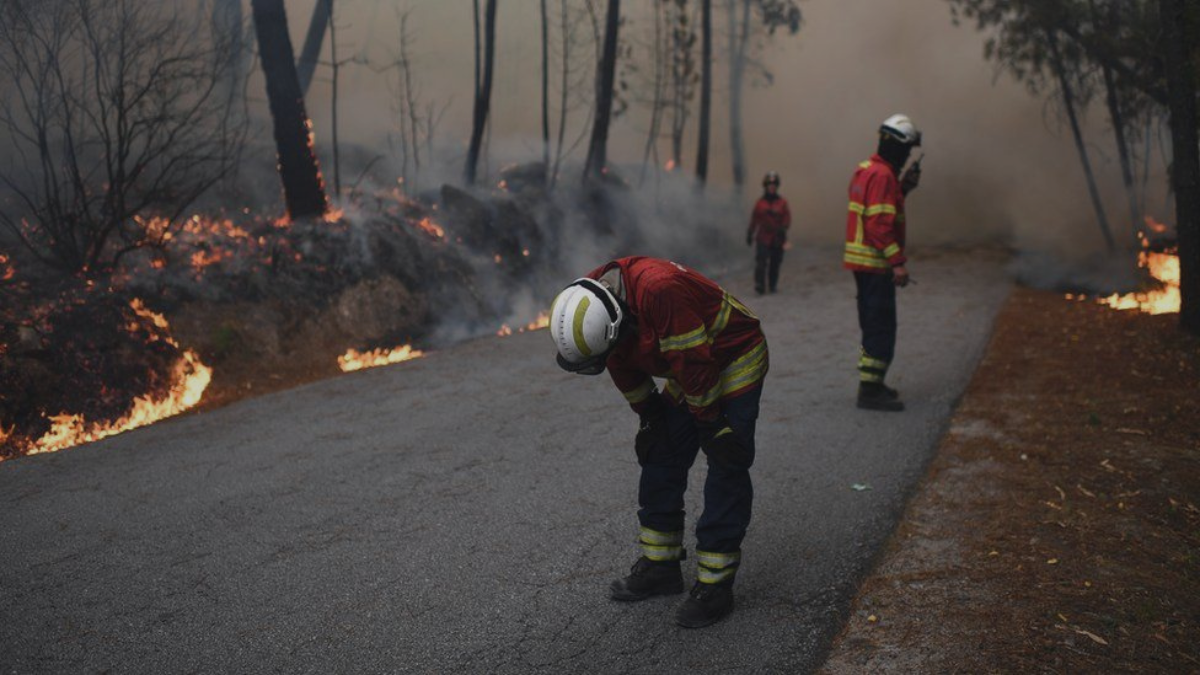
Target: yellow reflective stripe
[855,207]
[577,326]
[661,553]
[690,339]
[876,209]
[717,560]
[722,319]
[864,164]
[865,361]
[640,394]
[739,306]
[705,400]
[707,576]
[868,376]
[654,537]
[747,369]
[891,250]
[672,389]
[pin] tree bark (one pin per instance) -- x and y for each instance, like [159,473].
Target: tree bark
[739,38]
[311,52]
[597,157]
[1069,103]
[545,91]
[303,188]
[483,94]
[1179,44]
[705,92]
[1118,121]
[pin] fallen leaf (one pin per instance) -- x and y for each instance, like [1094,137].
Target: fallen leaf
[1139,432]
[993,553]
[1054,506]
[1052,561]
[1063,617]
[1095,638]
[1062,496]
[872,618]
[860,487]
[1086,491]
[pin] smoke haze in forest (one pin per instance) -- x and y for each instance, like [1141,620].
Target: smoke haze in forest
[997,163]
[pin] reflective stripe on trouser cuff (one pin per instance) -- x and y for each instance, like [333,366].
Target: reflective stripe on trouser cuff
[714,568]
[871,369]
[660,546]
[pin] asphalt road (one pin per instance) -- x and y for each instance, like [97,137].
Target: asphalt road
[465,512]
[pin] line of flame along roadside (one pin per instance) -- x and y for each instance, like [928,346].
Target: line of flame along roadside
[1162,266]
[542,321]
[355,360]
[189,378]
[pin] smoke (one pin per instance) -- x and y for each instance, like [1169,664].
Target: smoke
[998,167]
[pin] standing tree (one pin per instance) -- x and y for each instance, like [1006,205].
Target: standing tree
[1180,21]
[597,157]
[706,67]
[746,33]
[322,18]
[483,88]
[303,188]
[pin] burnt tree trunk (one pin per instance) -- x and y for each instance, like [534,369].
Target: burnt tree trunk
[1118,120]
[1069,103]
[705,92]
[545,90]
[1179,44]
[597,157]
[303,188]
[311,52]
[483,92]
[739,38]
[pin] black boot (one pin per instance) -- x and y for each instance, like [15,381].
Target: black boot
[708,604]
[876,396]
[647,578]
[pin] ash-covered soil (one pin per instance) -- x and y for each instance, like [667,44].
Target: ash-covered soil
[1058,528]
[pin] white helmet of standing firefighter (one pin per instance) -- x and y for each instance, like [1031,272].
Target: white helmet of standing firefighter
[901,129]
[771,178]
[585,323]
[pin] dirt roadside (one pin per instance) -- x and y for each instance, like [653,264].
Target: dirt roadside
[1058,528]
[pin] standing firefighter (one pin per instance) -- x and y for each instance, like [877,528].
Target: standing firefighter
[643,318]
[875,253]
[770,221]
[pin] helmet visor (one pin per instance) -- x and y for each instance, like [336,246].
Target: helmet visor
[590,366]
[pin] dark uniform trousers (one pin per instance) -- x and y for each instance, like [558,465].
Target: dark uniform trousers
[877,319]
[767,260]
[728,493]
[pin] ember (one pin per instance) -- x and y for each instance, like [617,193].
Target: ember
[542,321]
[431,228]
[355,360]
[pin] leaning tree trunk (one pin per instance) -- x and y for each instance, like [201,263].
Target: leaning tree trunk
[739,38]
[1118,121]
[597,157]
[1069,102]
[1179,44]
[545,91]
[307,65]
[483,94]
[303,188]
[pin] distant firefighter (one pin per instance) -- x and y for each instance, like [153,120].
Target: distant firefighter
[875,230]
[643,318]
[769,224]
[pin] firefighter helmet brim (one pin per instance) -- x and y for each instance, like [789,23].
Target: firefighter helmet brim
[585,322]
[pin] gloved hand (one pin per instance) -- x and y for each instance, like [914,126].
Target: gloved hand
[911,179]
[652,428]
[720,442]
[749,238]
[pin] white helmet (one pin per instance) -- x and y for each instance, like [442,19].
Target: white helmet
[585,321]
[902,129]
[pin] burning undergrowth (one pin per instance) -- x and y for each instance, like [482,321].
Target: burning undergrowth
[375,282]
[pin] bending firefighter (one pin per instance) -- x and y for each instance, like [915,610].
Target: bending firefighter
[643,318]
[875,253]
[769,224]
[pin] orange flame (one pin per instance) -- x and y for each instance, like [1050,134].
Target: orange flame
[670,165]
[355,360]
[6,272]
[1164,267]
[542,321]
[189,378]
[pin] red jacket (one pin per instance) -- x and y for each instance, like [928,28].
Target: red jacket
[875,223]
[771,219]
[702,340]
